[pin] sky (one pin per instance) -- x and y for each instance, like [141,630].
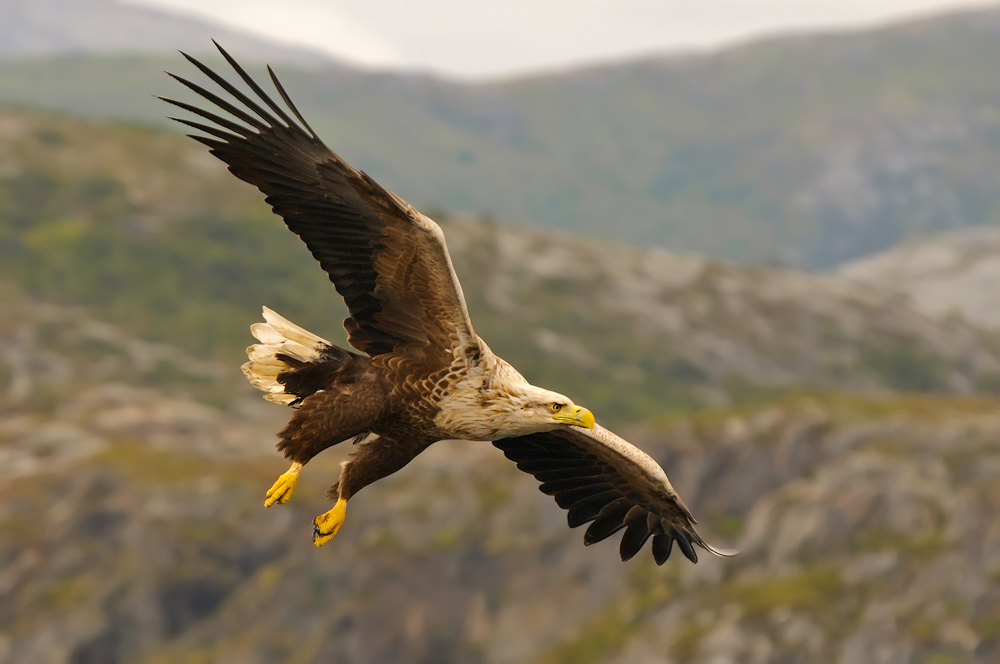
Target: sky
[477,39]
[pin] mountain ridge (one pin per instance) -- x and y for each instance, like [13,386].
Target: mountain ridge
[44,27]
[803,152]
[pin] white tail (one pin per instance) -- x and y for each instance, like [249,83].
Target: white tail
[278,335]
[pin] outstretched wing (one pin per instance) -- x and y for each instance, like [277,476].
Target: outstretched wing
[387,260]
[599,477]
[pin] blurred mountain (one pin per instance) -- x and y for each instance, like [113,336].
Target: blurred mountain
[46,27]
[951,275]
[153,234]
[804,151]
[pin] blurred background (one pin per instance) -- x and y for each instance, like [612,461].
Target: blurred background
[761,240]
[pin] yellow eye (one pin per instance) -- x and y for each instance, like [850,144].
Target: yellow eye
[556,407]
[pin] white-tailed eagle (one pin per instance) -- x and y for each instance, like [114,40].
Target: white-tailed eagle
[422,375]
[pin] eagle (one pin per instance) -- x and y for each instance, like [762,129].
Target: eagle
[421,374]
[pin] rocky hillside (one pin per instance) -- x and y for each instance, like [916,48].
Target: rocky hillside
[699,331]
[956,275]
[132,530]
[70,384]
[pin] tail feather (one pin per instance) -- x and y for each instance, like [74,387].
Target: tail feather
[292,332]
[284,347]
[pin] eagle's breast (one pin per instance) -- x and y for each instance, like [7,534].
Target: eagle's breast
[477,396]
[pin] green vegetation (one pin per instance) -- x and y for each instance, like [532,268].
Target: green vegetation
[66,593]
[989,625]
[602,636]
[919,549]
[651,152]
[118,219]
[813,590]
[903,366]
[687,640]
[651,587]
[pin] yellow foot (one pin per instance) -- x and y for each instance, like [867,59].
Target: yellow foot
[326,525]
[283,487]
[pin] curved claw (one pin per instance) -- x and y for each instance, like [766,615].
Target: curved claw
[326,525]
[283,487]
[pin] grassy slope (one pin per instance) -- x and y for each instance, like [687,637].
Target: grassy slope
[808,151]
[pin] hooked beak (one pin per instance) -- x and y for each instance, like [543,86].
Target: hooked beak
[579,416]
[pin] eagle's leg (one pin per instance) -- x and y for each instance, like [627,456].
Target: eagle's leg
[374,460]
[326,525]
[283,487]
[324,419]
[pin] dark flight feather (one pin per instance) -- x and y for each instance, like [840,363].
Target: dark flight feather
[661,548]
[587,476]
[387,261]
[633,539]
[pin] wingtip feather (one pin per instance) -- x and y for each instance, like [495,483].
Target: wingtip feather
[722,553]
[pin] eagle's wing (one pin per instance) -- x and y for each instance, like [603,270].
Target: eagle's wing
[387,260]
[599,477]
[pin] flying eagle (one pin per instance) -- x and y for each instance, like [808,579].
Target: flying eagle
[422,375]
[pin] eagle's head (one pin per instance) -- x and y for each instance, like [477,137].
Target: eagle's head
[531,409]
[506,405]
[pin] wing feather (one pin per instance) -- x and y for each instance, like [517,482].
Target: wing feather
[602,479]
[633,539]
[588,509]
[389,262]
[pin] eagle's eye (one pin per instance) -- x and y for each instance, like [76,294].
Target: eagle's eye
[556,407]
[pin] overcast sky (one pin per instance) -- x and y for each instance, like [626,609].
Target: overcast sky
[477,38]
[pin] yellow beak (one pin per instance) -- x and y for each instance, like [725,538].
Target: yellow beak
[580,417]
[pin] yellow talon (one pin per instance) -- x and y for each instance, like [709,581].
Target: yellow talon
[283,487]
[326,525]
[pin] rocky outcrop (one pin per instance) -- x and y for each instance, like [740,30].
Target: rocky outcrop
[950,276]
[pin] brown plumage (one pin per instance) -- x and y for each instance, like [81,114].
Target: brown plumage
[424,375]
